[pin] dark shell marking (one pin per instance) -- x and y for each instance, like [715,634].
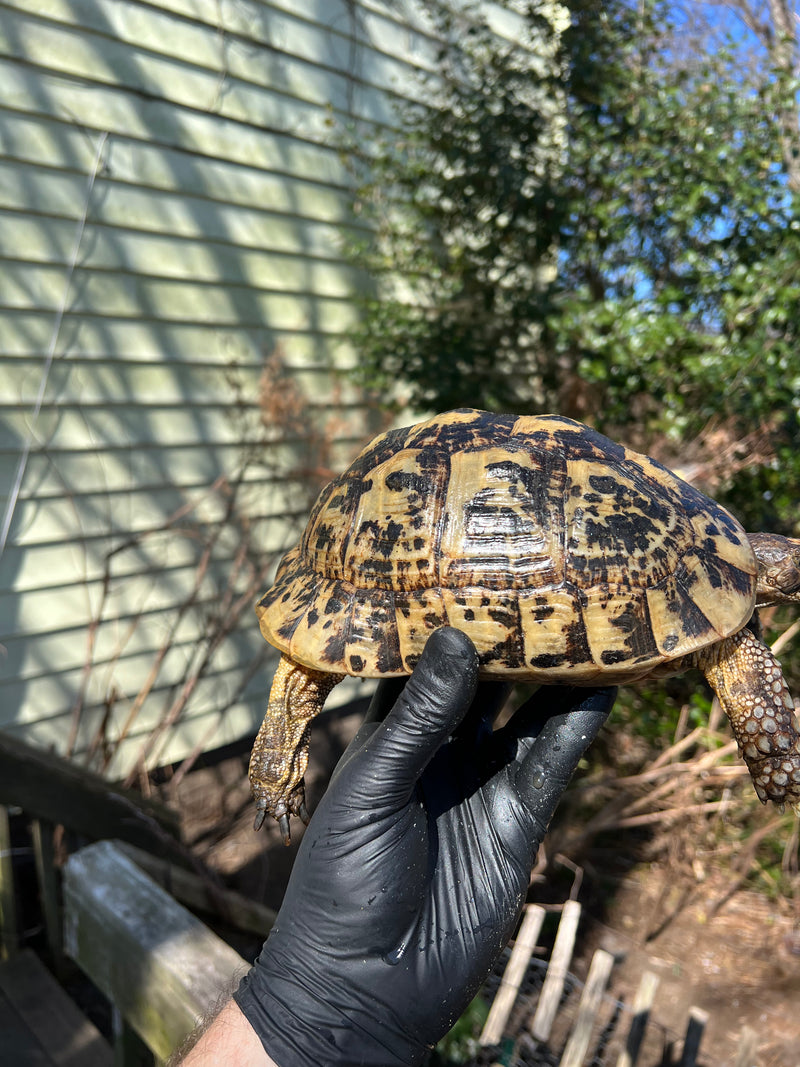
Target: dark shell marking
[565,556]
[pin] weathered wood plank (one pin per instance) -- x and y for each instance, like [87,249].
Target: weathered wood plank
[258,486]
[9,935]
[748,1048]
[311,67]
[135,513]
[72,52]
[201,895]
[192,215]
[48,140]
[119,112]
[200,261]
[131,677]
[40,1024]
[44,858]
[146,340]
[129,1049]
[588,1008]
[124,296]
[642,1003]
[524,945]
[69,431]
[552,989]
[48,787]
[695,1028]
[161,966]
[143,562]
[311,31]
[194,466]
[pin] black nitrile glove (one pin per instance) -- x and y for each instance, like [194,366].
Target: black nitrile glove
[410,878]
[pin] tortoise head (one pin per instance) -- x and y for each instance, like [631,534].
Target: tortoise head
[778,568]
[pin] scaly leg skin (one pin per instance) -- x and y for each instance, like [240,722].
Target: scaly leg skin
[280,753]
[753,693]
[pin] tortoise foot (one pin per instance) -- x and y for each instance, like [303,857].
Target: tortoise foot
[778,779]
[281,809]
[280,752]
[751,688]
[295,805]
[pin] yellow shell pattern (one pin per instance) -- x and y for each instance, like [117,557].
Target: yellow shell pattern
[565,557]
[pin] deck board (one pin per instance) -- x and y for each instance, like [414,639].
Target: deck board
[40,1025]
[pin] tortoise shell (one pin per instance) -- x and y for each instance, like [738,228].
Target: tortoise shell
[565,556]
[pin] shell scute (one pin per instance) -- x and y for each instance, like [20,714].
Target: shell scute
[419,613]
[678,622]
[618,627]
[394,525]
[503,521]
[500,621]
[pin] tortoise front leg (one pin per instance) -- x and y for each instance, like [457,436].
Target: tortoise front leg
[280,753]
[749,683]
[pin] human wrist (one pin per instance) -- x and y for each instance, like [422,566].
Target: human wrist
[305,1017]
[228,1039]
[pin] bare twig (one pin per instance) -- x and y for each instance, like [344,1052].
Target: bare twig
[19,475]
[783,639]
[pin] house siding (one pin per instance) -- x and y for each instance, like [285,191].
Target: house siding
[172,208]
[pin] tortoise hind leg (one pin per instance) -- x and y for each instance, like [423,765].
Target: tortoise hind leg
[280,753]
[749,683]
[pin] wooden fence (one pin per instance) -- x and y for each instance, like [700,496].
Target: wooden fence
[517,1040]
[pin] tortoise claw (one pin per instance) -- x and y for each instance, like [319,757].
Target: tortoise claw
[281,814]
[261,814]
[283,824]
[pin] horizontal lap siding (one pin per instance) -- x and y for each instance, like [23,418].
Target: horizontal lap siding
[212,238]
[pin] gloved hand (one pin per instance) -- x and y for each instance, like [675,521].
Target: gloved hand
[411,876]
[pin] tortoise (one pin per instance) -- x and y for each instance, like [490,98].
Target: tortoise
[566,557]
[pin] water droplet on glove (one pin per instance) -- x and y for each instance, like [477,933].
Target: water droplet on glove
[394,957]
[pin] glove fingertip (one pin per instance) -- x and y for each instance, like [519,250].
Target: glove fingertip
[446,676]
[452,651]
[556,750]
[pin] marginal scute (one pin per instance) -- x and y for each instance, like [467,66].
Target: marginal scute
[419,613]
[494,618]
[565,556]
[711,580]
[679,623]
[618,629]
